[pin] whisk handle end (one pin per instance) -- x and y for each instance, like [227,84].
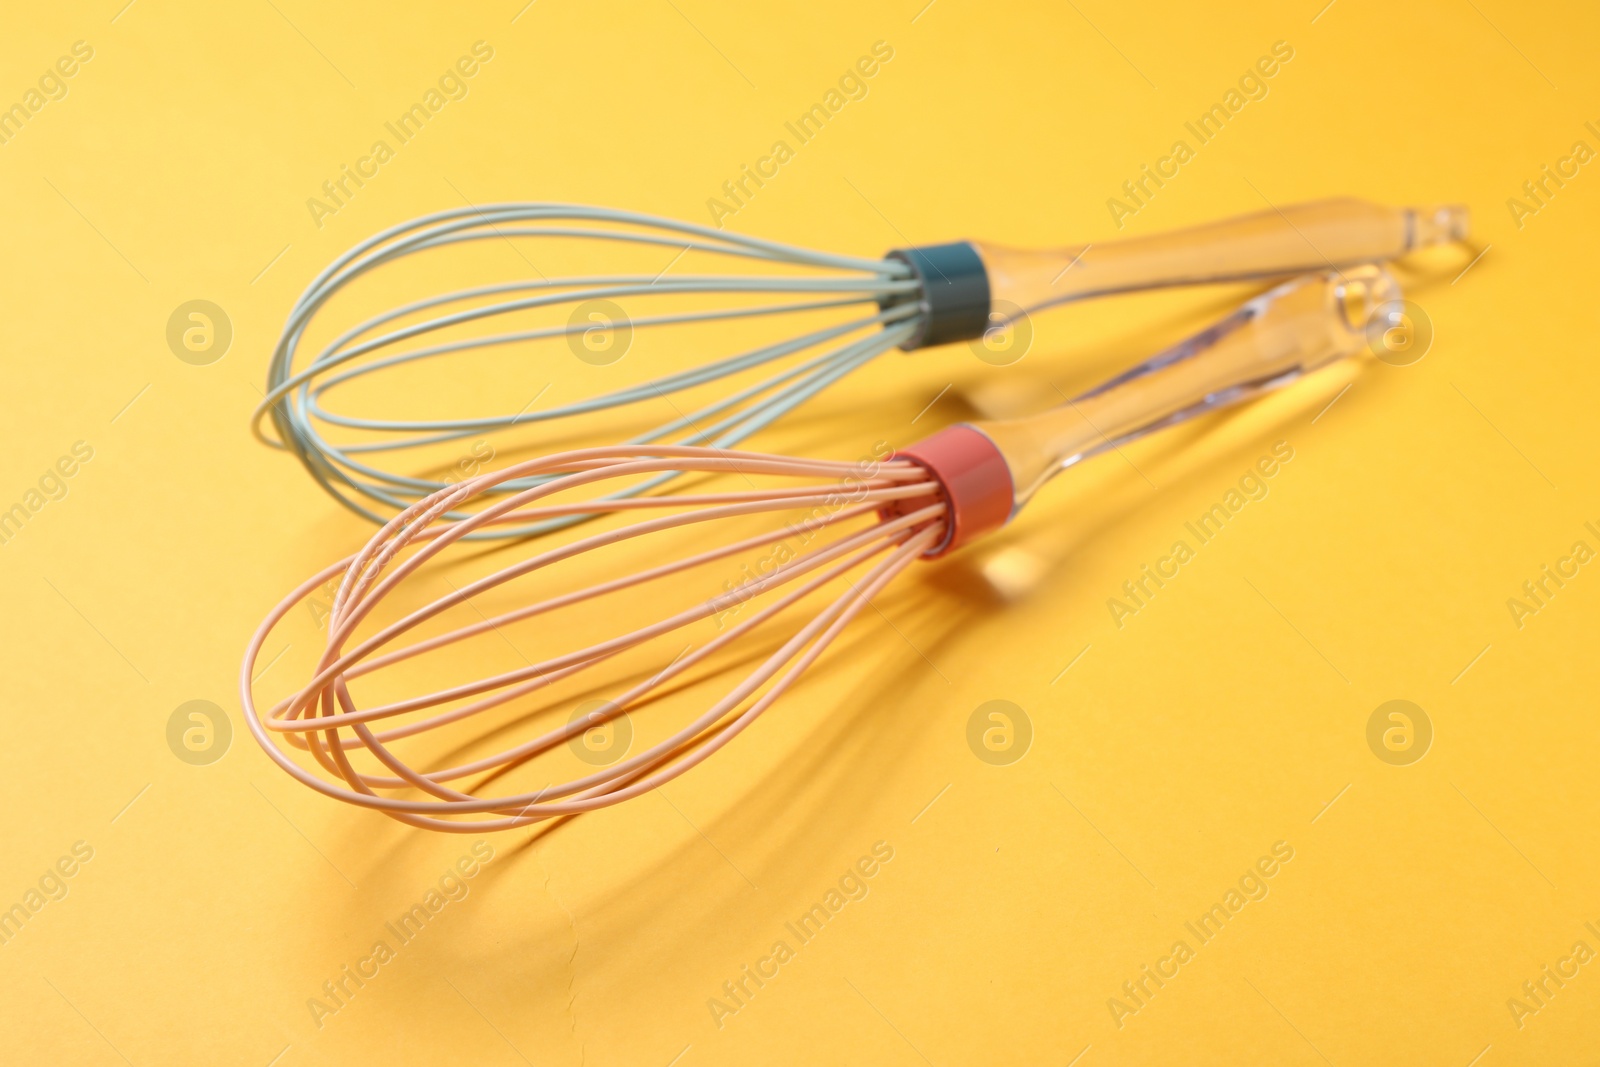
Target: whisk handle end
[976,480]
[954,294]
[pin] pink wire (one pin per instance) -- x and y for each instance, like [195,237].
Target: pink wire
[323,717]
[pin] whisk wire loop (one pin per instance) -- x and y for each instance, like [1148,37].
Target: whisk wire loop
[904,512]
[296,400]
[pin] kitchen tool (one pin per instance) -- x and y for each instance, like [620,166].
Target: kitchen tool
[848,530]
[853,309]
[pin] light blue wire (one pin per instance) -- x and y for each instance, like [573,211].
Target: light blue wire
[295,398]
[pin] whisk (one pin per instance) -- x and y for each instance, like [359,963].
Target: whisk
[912,298]
[852,529]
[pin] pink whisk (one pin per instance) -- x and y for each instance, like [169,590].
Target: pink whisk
[862,526]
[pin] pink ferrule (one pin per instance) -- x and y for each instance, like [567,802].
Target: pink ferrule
[975,479]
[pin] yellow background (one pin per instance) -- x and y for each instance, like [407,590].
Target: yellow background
[1228,715]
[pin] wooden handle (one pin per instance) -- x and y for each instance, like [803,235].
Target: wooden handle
[1298,238]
